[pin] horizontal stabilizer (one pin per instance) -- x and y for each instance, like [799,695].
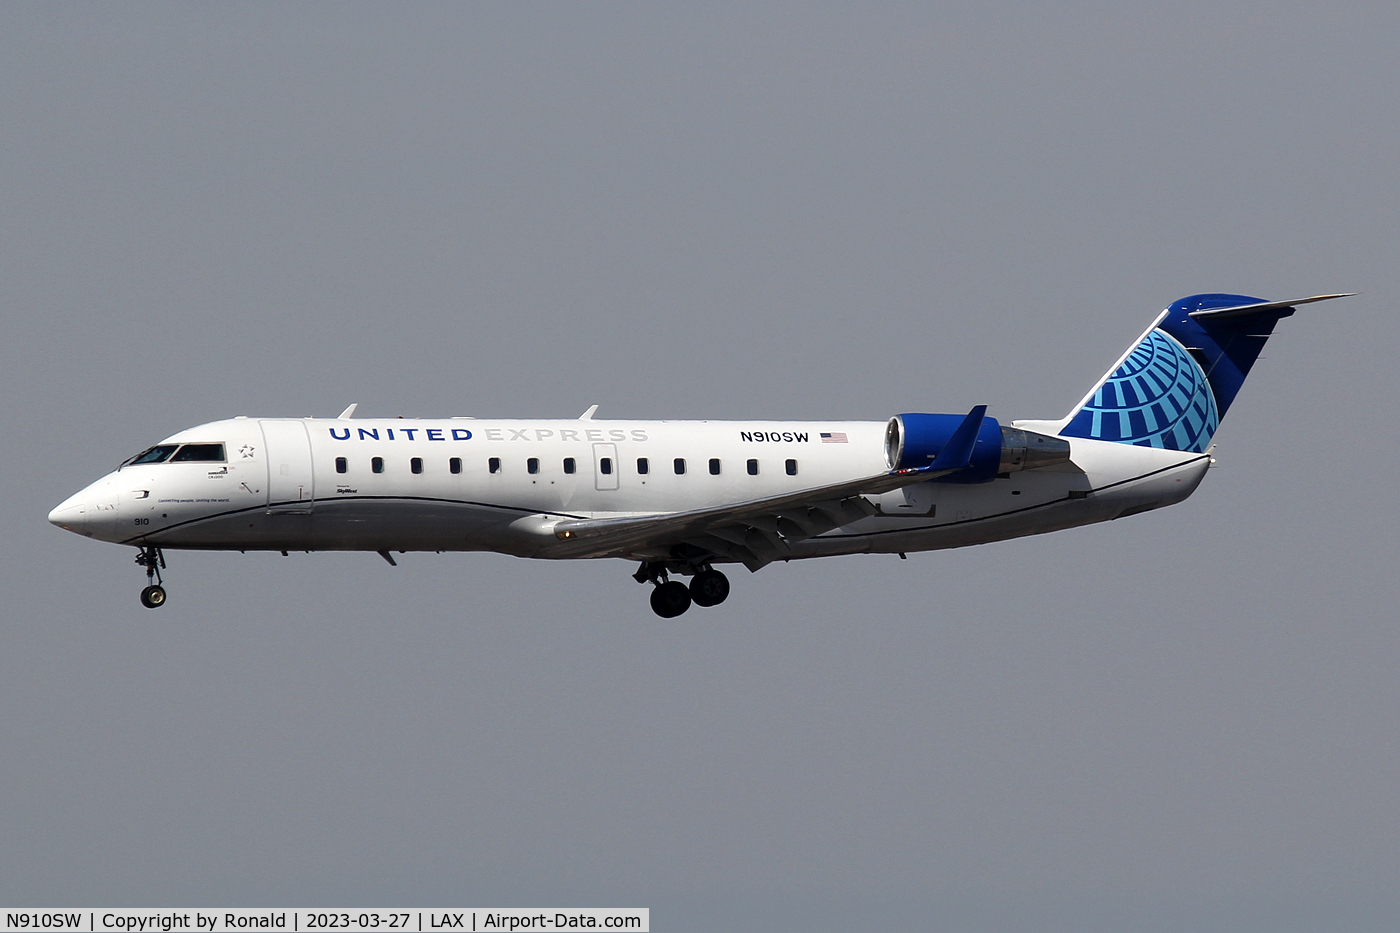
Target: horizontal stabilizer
[1216,314]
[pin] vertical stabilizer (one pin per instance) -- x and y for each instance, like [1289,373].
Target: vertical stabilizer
[1174,384]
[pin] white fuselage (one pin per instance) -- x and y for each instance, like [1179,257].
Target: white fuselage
[463,484]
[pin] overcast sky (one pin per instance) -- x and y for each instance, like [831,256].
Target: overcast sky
[1183,719]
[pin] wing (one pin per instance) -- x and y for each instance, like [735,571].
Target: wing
[758,531]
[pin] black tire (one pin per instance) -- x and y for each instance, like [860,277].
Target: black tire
[670,599]
[709,588]
[153,597]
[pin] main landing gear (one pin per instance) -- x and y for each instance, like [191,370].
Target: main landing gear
[709,588]
[153,596]
[670,598]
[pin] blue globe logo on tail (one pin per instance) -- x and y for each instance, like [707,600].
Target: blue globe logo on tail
[1158,397]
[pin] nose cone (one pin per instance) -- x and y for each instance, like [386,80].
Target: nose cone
[75,514]
[68,513]
[91,512]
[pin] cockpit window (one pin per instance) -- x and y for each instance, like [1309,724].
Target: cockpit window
[200,452]
[154,455]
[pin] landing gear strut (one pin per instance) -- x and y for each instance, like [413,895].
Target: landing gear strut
[153,596]
[670,598]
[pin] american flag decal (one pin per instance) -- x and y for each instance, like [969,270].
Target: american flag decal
[835,437]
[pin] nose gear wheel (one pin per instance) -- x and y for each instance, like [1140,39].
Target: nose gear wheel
[153,595]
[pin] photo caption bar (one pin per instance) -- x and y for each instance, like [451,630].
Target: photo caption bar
[324,920]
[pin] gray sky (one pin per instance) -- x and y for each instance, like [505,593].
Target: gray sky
[803,211]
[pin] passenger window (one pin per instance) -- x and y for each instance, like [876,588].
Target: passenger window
[532,465]
[568,464]
[753,467]
[341,465]
[153,455]
[494,464]
[376,465]
[680,465]
[455,465]
[791,467]
[416,464]
[199,453]
[714,466]
[605,466]
[642,466]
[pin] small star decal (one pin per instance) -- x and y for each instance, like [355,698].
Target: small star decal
[247,451]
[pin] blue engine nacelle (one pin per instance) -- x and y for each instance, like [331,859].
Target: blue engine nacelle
[913,440]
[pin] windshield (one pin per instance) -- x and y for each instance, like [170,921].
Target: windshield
[156,454]
[200,452]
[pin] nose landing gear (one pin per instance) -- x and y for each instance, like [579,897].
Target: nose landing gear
[153,596]
[670,598]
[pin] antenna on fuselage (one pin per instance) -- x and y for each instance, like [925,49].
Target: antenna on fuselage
[586,416]
[348,413]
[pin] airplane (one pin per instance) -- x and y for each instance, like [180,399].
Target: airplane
[683,498]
